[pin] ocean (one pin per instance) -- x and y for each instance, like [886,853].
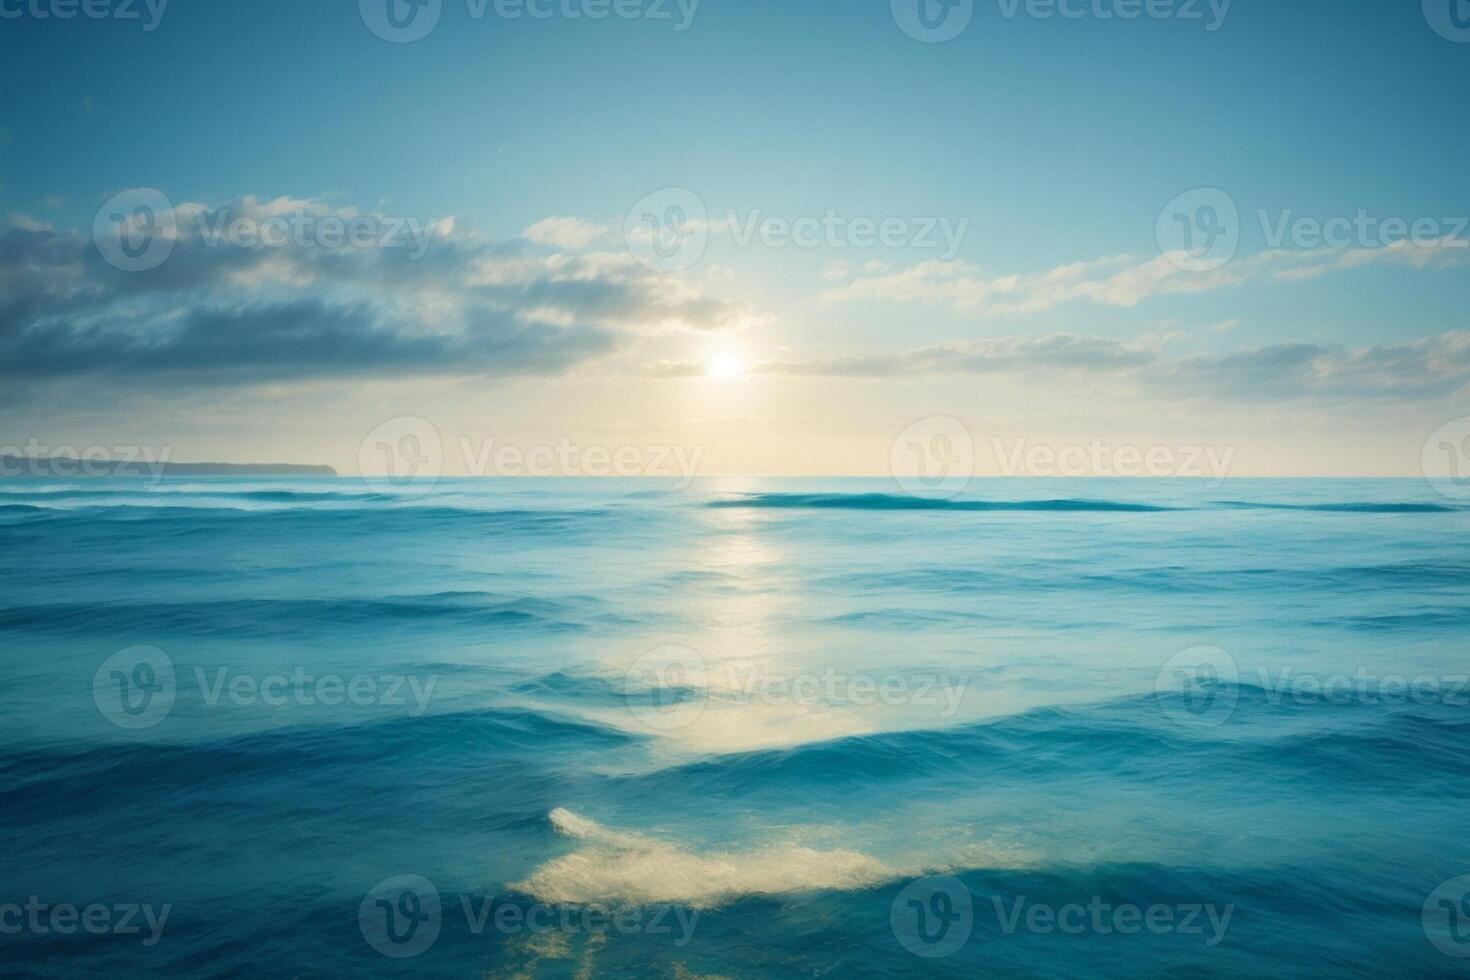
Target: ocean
[745,728]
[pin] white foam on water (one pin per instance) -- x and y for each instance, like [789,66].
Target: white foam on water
[622,867]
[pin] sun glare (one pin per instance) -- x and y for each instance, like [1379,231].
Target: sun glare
[724,366]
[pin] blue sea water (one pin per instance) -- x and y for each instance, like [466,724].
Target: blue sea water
[308,727]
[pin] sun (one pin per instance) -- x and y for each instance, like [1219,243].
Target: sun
[724,366]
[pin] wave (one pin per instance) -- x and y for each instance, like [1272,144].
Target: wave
[1407,748]
[1447,576]
[1415,623]
[888,501]
[277,616]
[306,764]
[622,867]
[1368,507]
[78,493]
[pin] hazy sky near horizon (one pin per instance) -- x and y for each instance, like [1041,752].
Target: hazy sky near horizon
[780,232]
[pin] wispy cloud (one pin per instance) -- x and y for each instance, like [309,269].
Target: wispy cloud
[564,232]
[1119,280]
[1429,368]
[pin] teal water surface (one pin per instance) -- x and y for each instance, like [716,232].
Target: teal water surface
[753,728]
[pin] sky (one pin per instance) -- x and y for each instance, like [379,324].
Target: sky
[789,237]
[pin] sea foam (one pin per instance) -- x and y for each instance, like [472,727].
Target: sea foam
[628,868]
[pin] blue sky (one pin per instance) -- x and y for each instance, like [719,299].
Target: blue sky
[1057,140]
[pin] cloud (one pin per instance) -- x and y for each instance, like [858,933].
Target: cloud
[260,290]
[1433,367]
[571,233]
[1119,280]
[27,223]
[1056,352]
[306,338]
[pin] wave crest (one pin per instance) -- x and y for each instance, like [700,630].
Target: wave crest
[621,867]
[891,501]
